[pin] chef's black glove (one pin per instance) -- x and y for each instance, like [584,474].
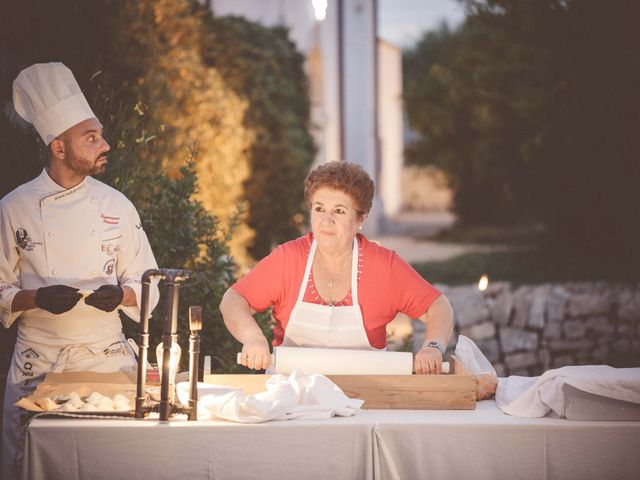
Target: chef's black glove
[106,298]
[57,298]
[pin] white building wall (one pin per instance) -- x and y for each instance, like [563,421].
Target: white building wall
[297,15]
[359,102]
[390,113]
[325,109]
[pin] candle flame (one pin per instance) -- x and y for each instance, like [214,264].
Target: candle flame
[483,283]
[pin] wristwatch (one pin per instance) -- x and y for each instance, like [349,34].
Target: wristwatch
[441,348]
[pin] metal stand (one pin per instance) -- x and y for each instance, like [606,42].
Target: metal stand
[195,325]
[173,278]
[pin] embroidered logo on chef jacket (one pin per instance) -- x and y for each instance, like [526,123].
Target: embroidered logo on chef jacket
[110,219]
[109,248]
[109,266]
[24,241]
[26,370]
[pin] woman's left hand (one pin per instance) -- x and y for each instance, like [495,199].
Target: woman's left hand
[428,361]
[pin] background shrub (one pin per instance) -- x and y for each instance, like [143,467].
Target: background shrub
[531,109]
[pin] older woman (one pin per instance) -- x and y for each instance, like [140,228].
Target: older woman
[333,288]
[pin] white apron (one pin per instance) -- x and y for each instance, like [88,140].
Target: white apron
[327,326]
[29,364]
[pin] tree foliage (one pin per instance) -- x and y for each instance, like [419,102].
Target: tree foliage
[531,108]
[234,88]
[195,133]
[263,66]
[183,234]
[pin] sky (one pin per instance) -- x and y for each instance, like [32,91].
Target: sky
[402,22]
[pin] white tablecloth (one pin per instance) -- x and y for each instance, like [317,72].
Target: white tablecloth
[380,444]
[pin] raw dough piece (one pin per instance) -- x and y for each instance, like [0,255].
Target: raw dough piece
[105,403]
[47,404]
[69,407]
[94,398]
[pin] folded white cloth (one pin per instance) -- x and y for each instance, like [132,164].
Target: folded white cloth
[299,395]
[537,396]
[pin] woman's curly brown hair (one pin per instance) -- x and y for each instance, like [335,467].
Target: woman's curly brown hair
[346,177]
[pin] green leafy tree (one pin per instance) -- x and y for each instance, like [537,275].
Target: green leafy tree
[264,66]
[234,88]
[140,63]
[531,110]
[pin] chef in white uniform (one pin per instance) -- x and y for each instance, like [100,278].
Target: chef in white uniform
[72,251]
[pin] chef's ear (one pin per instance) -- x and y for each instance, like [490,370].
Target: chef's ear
[57,148]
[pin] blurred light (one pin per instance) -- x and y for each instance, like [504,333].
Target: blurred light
[483,283]
[174,361]
[319,9]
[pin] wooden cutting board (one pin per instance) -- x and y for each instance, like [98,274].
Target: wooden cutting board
[455,391]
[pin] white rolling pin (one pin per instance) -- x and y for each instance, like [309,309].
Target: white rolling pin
[330,361]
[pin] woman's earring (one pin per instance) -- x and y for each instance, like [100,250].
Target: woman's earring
[360,227]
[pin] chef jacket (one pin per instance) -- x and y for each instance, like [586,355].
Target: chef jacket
[84,237]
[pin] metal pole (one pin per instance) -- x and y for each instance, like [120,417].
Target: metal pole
[195,325]
[168,334]
[143,341]
[172,278]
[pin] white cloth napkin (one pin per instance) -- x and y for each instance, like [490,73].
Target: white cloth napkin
[299,395]
[537,396]
[472,357]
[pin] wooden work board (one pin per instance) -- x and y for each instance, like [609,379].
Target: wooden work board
[454,391]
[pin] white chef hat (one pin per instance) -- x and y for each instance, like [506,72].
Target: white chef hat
[48,96]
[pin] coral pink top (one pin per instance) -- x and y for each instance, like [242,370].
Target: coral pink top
[386,285]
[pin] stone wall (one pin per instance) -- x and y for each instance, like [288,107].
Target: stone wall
[526,330]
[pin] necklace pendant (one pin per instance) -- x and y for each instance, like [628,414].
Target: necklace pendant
[330,284]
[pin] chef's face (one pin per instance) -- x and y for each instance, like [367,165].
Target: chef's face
[85,148]
[334,218]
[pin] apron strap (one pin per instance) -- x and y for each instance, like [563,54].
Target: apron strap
[307,271]
[354,273]
[65,353]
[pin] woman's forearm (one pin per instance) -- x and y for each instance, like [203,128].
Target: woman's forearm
[238,317]
[439,321]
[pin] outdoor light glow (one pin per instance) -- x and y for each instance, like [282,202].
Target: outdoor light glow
[320,9]
[483,283]
[176,352]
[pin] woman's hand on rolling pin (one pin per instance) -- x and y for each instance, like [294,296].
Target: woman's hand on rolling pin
[428,361]
[255,353]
